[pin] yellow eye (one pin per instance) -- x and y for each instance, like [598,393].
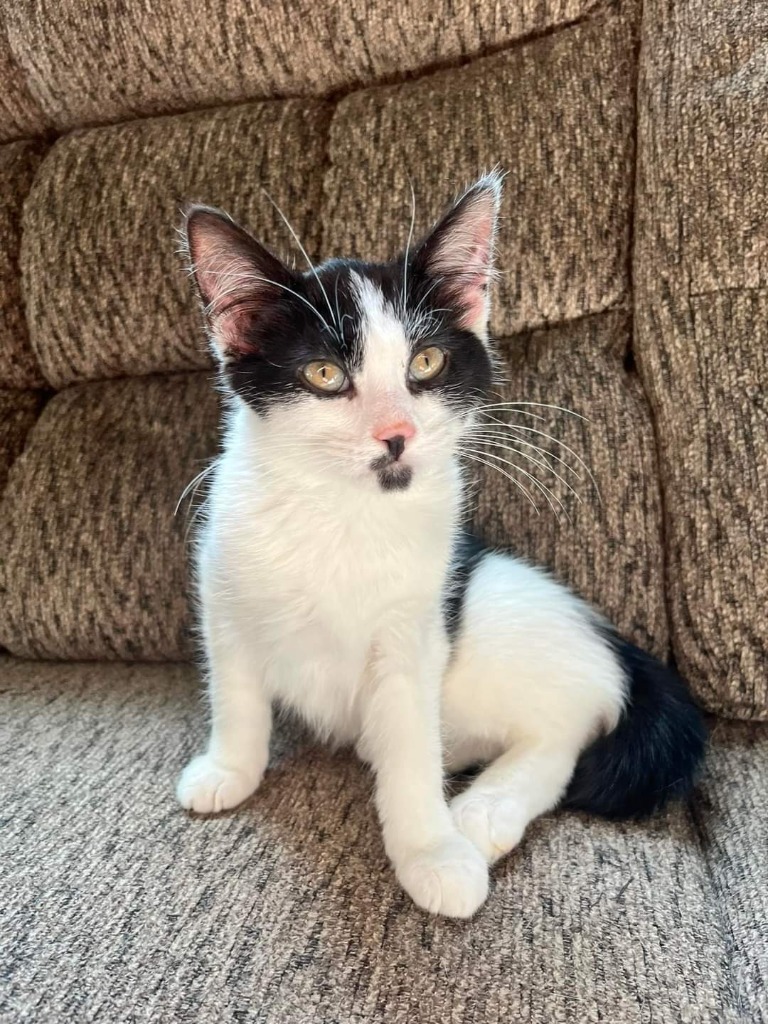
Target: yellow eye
[325,376]
[427,364]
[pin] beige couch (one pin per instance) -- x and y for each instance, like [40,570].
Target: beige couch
[633,289]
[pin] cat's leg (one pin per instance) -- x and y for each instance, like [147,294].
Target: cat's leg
[526,781]
[241,719]
[441,870]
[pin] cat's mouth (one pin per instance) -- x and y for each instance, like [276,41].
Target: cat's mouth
[391,473]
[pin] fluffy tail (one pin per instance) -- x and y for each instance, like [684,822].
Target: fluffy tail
[652,755]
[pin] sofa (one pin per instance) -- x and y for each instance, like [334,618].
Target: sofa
[632,289]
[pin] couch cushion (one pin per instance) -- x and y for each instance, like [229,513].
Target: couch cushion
[20,115]
[93,562]
[18,412]
[607,543]
[701,270]
[732,817]
[19,162]
[557,113]
[98,67]
[286,910]
[106,293]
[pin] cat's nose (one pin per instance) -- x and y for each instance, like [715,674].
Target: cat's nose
[395,436]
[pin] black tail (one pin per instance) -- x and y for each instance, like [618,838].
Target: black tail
[652,755]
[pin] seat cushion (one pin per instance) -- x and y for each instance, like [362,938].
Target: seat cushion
[93,558]
[701,274]
[175,56]
[556,113]
[286,909]
[732,816]
[19,162]
[106,293]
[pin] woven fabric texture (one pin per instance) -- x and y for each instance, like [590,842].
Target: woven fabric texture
[99,67]
[93,561]
[556,113]
[19,162]
[121,907]
[18,412]
[106,293]
[701,271]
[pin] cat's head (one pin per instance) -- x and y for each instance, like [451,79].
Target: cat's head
[368,370]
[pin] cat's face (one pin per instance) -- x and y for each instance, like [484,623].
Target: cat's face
[369,371]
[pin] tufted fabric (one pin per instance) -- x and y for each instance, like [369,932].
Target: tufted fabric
[286,910]
[564,230]
[605,540]
[106,293]
[98,67]
[19,162]
[18,412]
[701,270]
[20,115]
[93,561]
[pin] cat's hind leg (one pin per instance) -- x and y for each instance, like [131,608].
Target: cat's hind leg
[524,782]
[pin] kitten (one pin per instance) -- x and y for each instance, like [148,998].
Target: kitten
[335,579]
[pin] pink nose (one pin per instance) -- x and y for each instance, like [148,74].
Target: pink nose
[395,436]
[403,429]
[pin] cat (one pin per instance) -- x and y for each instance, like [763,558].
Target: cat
[336,579]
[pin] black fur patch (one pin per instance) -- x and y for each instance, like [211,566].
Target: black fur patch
[652,755]
[468,553]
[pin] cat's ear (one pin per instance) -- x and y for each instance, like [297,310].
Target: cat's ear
[458,253]
[238,280]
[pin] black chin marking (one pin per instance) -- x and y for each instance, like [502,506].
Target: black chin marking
[394,477]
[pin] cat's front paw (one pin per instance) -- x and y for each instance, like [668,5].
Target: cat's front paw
[449,878]
[493,823]
[207,787]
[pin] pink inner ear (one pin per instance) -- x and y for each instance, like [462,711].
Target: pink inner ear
[230,330]
[462,255]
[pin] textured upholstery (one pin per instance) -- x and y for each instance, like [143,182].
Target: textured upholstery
[286,910]
[701,270]
[107,294]
[95,561]
[18,412]
[20,115]
[18,163]
[99,66]
[564,231]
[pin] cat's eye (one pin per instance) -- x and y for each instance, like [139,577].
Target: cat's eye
[325,376]
[427,364]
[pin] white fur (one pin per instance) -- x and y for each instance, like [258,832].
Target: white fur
[323,592]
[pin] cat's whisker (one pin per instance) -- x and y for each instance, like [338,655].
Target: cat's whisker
[474,457]
[540,405]
[548,494]
[304,253]
[499,436]
[554,440]
[536,462]
[193,484]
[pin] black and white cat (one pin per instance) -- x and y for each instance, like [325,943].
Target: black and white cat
[335,579]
